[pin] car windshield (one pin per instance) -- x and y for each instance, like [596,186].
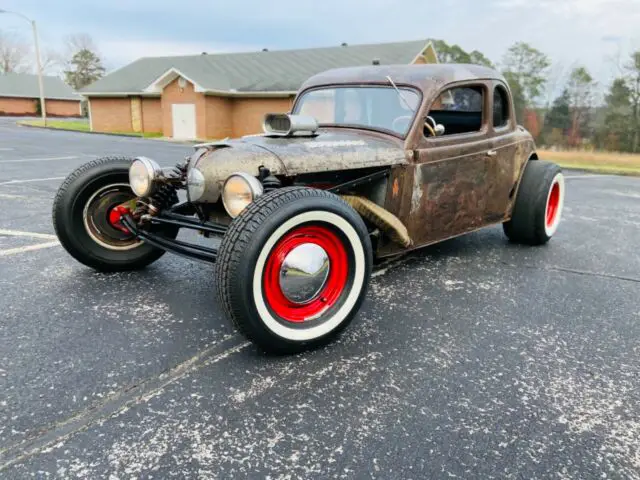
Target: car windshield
[377,107]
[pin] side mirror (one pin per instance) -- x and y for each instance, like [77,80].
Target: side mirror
[439,130]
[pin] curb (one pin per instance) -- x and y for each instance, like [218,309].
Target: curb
[612,172]
[111,134]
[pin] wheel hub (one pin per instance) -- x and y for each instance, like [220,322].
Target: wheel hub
[102,214]
[304,273]
[115,214]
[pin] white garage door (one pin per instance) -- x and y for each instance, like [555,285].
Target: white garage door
[184,120]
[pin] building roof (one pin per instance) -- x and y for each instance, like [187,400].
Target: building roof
[279,71]
[419,76]
[25,85]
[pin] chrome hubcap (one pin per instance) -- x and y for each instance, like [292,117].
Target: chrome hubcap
[304,272]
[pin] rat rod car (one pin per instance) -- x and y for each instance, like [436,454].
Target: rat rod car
[372,162]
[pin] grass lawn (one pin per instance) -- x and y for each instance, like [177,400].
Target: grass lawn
[601,162]
[82,126]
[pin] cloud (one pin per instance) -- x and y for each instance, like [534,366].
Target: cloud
[571,32]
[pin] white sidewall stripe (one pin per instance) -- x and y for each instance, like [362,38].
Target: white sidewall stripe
[299,334]
[550,230]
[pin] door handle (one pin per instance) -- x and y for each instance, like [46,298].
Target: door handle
[492,153]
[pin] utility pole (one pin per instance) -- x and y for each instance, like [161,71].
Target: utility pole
[43,107]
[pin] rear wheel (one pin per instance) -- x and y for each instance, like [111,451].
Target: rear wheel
[539,204]
[293,269]
[86,217]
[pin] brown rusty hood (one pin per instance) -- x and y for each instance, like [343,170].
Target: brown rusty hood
[329,150]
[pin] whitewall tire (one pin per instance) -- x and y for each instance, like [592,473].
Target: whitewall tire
[537,211]
[293,269]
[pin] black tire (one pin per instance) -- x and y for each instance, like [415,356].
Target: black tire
[539,203]
[69,206]
[249,253]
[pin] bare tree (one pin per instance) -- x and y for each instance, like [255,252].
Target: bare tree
[14,54]
[556,77]
[52,61]
[581,88]
[77,42]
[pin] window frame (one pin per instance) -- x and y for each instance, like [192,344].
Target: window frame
[461,137]
[393,133]
[509,124]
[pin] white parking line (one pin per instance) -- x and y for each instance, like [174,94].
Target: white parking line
[11,182]
[42,159]
[6,149]
[18,233]
[12,197]
[28,248]
[583,177]
[622,194]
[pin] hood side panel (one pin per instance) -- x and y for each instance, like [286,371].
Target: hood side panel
[291,156]
[332,151]
[217,164]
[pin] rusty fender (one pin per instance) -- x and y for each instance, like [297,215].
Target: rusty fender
[381,218]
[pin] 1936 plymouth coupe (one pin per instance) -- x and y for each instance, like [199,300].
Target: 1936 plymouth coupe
[373,162]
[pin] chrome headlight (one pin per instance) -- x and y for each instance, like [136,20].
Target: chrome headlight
[240,189]
[142,174]
[195,184]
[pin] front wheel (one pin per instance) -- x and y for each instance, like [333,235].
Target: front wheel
[293,269]
[86,217]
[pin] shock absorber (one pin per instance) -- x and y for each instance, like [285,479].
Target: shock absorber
[165,196]
[166,193]
[269,182]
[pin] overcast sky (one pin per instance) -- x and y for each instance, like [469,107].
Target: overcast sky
[571,32]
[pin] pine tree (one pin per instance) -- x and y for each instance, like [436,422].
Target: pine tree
[85,68]
[616,133]
[560,115]
[633,84]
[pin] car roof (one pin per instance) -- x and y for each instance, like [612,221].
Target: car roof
[423,77]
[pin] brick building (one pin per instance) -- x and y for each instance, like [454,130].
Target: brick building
[20,96]
[223,95]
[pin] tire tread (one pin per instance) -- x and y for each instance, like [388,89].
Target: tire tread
[62,220]
[236,241]
[527,221]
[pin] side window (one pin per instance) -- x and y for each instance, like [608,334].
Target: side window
[501,107]
[458,110]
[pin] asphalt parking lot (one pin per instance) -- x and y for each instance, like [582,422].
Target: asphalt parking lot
[471,359]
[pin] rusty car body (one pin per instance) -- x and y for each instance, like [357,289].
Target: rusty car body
[438,187]
[449,159]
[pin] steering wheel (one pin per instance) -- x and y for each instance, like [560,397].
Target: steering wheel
[431,129]
[401,124]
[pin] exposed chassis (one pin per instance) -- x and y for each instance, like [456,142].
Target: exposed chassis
[170,218]
[181,216]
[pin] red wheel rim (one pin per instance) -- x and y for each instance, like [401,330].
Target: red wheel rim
[333,286]
[553,205]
